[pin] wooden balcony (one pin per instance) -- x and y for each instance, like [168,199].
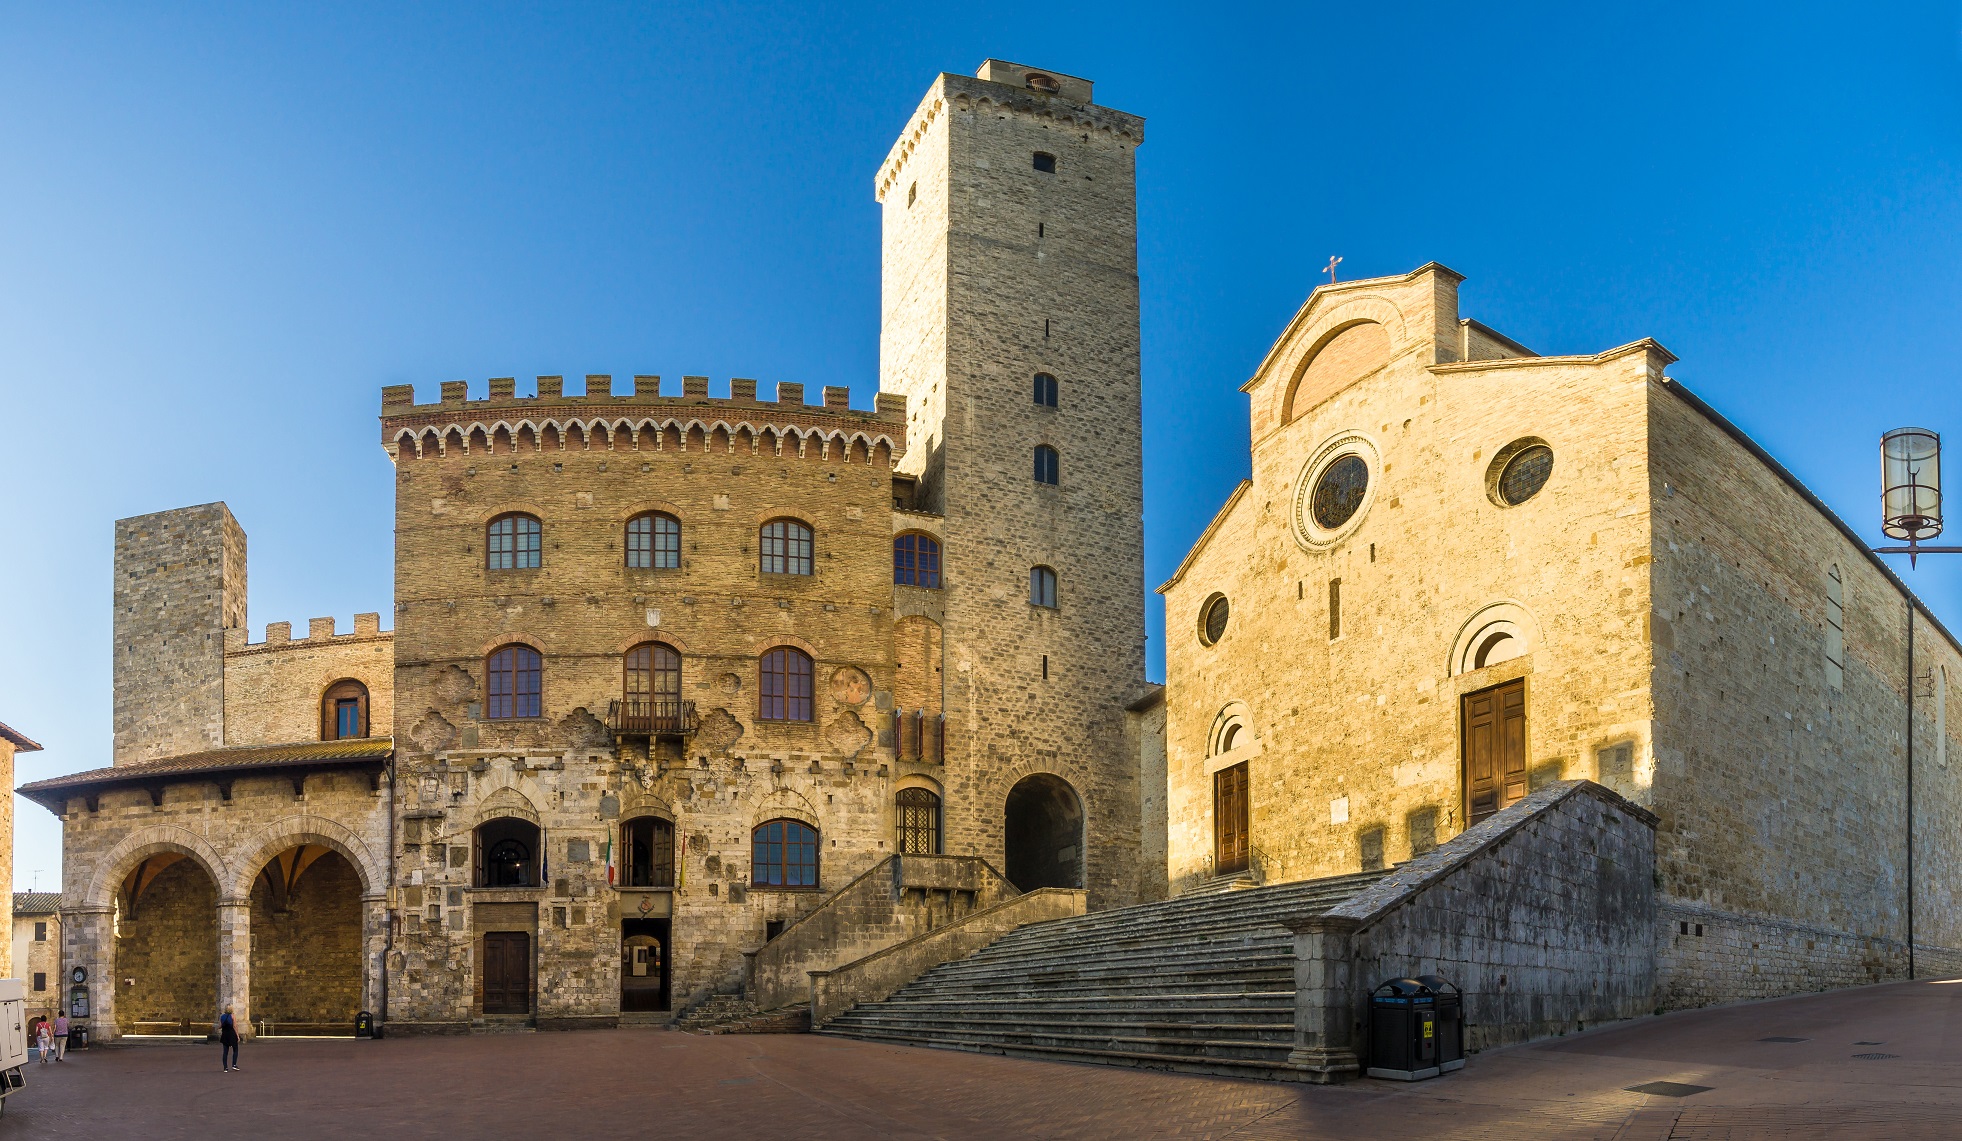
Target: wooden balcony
[652,718]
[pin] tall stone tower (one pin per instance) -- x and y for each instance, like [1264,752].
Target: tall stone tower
[180,584]
[1010,322]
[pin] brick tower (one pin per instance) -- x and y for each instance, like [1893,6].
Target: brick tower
[1010,258]
[180,584]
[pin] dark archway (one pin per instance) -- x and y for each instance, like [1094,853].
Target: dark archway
[1042,833]
[306,942]
[166,926]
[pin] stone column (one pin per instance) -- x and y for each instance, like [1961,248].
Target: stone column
[374,945]
[88,936]
[1324,997]
[235,963]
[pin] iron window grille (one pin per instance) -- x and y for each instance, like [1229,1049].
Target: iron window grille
[918,815]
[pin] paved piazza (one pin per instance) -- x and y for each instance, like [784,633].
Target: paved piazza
[652,1083]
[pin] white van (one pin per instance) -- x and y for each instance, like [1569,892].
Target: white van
[13,1038]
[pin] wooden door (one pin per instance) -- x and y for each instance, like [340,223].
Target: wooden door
[507,972]
[1230,845]
[1494,743]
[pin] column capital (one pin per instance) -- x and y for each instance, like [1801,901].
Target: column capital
[245,903]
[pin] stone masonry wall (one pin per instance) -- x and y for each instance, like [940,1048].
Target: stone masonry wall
[1782,795]
[1353,740]
[307,957]
[994,272]
[274,688]
[722,467]
[179,585]
[167,953]
[1541,915]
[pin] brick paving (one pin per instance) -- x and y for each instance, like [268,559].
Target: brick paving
[636,1083]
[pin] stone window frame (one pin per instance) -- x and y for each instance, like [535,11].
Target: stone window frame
[1311,535]
[1206,636]
[1502,460]
[1501,616]
[330,698]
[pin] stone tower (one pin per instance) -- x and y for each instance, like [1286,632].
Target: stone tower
[1010,250]
[180,584]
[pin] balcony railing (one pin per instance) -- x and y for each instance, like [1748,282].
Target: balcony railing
[652,718]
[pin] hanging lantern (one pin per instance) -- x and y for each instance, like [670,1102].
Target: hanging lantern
[1911,484]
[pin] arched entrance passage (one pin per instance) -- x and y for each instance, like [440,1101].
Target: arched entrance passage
[166,932]
[1043,833]
[306,942]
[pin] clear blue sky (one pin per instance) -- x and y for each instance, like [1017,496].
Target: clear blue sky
[224,228]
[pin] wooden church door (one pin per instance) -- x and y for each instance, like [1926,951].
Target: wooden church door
[1230,819]
[1494,742]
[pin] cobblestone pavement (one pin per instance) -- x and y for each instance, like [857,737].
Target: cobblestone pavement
[1875,1062]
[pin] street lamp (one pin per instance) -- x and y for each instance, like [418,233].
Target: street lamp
[1911,492]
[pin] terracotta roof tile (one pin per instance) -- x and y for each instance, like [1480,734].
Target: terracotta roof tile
[233,760]
[22,742]
[32,903]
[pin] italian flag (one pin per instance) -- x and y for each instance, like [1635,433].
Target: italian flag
[609,861]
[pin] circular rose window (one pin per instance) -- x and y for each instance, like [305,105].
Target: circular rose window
[1339,491]
[1212,626]
[1525,475]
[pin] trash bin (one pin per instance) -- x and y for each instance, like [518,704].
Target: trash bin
[1450,1022]
[364,1025]
[78,1037]
[1403,1031]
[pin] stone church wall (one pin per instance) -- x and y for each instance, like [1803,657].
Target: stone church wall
[1781,789]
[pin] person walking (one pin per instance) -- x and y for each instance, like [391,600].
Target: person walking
[228,1040]
[44,1037]
[61,1037]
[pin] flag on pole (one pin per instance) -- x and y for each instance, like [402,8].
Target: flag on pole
[609,861]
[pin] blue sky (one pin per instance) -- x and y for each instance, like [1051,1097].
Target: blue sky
[224,228]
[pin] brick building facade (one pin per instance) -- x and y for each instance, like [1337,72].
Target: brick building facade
[666,670]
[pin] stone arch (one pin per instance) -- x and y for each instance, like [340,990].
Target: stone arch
[293,831]
[503,794]
[782,804]
[1232,730]
[1044,833]
[1505,618]
[1341,357]
[146,842]
[1309,332]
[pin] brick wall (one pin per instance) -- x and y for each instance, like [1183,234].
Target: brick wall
[179,584]
[274,688]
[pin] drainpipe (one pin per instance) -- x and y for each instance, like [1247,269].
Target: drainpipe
[1910,787]
[388,897]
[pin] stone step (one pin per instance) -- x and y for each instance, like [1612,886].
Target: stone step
[1221,1025]
[1136,1059]
[1267,1007]
[1061,1038]
[1207,957]
[1281,982]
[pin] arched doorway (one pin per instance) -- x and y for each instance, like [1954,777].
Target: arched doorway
[1042,833]
[306,943]
[166,934]
[643,965]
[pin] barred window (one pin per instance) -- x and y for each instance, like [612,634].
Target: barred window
[513,543]
[786,546]
[654,542]
[1046,464]
[917,811]
[515,675]
[784,853]
[1042,586]
[785,691]
[916,561]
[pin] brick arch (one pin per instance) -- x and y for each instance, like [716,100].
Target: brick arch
[651,634]
[646,804]
[146,842]
[791,640]
[293,831]
[785,804]
[1289,358]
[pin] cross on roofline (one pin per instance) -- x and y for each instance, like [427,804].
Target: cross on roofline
[1330,268]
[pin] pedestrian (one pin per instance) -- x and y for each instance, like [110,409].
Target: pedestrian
[61,1037]
[228,1041]
[45,1038]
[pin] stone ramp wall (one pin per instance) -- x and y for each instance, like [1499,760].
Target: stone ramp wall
[899,898]
[1544,915]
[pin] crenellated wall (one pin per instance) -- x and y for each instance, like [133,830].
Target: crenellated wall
[274,688]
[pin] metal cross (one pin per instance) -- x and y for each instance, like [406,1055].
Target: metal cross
[1330,268]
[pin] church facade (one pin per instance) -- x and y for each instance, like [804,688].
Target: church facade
[667,669]
[1461,570]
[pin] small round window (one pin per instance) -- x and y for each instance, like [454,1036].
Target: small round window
[1339,491]
[1519,471]
[1212,622]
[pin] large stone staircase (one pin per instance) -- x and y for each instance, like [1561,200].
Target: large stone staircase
[1203,984]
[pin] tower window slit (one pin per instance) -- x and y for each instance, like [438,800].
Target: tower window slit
[1334,609]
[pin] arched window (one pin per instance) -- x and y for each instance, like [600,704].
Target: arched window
[917,813]
[653,673]
[916,561]
[654,542]
[1046,464]
[784,853]
[786,547]
[646,857]
[1045,390]
[785,692]
[344,711]
[1835,628]
[507,853]
[515,674]
[512,543]
[1042,587]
